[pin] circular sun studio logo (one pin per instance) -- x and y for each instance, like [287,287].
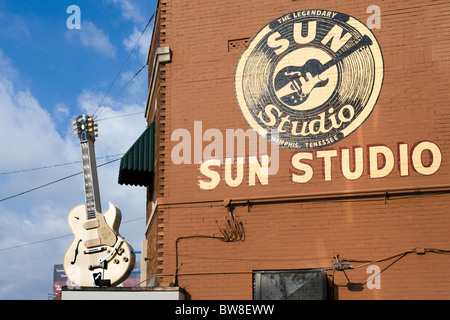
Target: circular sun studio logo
[309,79]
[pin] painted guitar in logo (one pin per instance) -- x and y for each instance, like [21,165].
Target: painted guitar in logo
[294,84]
[98,255]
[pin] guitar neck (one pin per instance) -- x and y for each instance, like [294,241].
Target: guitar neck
[91,188]
[365,41]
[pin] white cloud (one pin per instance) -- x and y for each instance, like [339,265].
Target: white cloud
[142,46]
[118,131]
[29,136]
[61,112]
[128,10]
[7,71]
[92,37]
[29,139]
[17,27]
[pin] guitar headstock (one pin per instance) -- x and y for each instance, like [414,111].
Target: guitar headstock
[85,127]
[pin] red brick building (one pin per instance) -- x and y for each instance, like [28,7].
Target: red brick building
[341,190]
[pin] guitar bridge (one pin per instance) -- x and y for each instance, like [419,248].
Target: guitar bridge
[102,265]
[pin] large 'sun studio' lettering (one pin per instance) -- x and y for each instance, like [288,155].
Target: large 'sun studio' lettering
[425,158]
[280,45]
[272,114]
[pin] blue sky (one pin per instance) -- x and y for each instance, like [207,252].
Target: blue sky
[48,75]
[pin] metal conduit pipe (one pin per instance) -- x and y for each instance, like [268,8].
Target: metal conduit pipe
[382,192]
[387,192]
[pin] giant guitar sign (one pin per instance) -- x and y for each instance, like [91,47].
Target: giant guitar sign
[98,255]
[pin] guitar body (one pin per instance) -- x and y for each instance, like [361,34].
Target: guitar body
[298,82]
[96,240]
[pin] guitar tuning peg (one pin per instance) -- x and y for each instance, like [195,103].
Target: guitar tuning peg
[75,133]
[74,128]
[74,122]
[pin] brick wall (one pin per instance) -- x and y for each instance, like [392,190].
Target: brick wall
[206,39]
[308,235]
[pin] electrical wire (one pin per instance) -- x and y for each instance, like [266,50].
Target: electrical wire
[121,89]
[55,238]
[74,162]
[233,229]
[401,254]
[55,181]
[56,165]
[35,242]
[121,68]
[232,232]
[39,168]
[121,116]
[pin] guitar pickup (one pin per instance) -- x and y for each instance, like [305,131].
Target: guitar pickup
[94,250]
[93,243]
[91,224]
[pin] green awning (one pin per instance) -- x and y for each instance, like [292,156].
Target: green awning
[136,166]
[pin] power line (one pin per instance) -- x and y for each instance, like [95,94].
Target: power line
[35,242]
[121,116]
[121,68]
[56,165]
[74,162]
[39,168]
[54,238]
[50,183]
[121,89]
[113,98]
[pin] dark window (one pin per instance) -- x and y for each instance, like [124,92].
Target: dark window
[290,285]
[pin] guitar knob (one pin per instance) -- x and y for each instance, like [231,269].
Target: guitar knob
[116,261]
[125,259]
[121,250]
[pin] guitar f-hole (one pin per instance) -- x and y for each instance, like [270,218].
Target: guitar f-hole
[76,252]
